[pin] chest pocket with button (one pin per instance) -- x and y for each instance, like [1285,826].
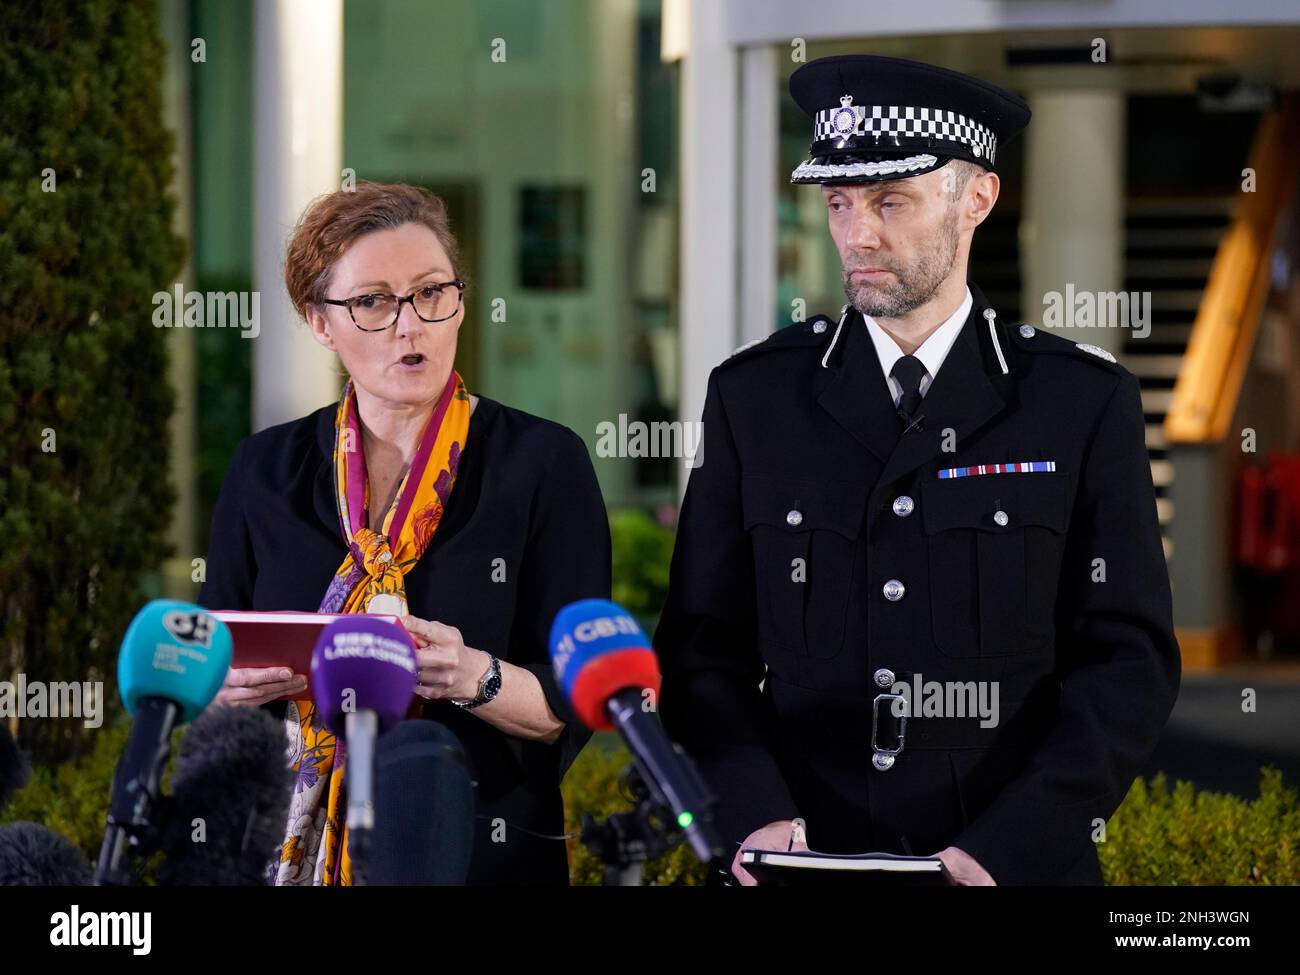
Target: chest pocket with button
[805,536]
[995,543]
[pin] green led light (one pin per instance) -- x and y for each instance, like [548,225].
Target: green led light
[685,819]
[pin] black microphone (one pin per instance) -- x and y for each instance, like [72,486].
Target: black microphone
[230,795]
[424,807]
[607,669]
[35,856]
[173,660]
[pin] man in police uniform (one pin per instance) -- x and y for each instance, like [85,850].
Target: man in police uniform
[918,493]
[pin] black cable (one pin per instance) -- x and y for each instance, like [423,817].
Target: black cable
[540,836]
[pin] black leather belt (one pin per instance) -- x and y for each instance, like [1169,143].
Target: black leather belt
[892,733]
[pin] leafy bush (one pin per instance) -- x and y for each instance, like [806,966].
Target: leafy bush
[642,551]
[72,798]
[593,785]
[1157,836]
[85,243]
[1185,837]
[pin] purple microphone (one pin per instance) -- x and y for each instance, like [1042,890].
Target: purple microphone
[363,678]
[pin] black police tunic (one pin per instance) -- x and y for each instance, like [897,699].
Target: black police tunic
[821,558]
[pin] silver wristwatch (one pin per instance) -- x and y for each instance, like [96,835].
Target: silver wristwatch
[489,686]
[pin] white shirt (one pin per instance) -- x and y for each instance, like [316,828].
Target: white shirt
[931,352]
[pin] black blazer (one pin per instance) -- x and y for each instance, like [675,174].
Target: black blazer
[812,500]
[525,492]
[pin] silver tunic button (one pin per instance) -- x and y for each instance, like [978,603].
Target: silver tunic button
[884,677]
[893,590]
[903,505]
[1001,518]
[1026,331]
[882,763]
[819,326]
[794,518]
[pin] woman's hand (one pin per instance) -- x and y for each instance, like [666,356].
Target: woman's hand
[258,685]
[447,669]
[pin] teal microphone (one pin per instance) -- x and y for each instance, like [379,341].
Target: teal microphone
[174,659]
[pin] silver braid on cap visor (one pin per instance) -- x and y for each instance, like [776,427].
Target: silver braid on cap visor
[876,167]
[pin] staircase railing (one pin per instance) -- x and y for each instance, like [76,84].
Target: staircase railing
[1223,335]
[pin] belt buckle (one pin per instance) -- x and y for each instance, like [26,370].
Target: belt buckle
[883,758]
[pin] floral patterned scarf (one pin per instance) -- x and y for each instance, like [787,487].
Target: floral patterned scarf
[370,580]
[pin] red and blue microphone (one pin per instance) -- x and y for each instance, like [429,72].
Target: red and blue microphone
[610,676]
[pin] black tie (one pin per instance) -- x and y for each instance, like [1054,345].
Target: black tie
[908,371]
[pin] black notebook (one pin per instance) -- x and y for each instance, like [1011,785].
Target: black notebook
[772,867]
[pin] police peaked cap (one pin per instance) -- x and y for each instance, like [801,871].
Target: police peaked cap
[878,118]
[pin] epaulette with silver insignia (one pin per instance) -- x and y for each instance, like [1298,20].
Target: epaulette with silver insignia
[792,336]
[748,345]
[1041,340]
[1096,350]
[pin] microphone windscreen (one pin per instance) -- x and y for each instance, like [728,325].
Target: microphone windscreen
[13,766]
[34,856]
[176,651]
[362,663]
[424,807]
[597,650]
[230,794]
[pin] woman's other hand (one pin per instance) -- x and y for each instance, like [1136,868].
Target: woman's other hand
[450,671]
[258,685]
[447,669]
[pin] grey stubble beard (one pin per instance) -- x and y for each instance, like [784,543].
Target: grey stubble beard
[913,286]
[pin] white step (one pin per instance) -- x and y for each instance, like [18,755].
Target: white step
[1181,333]
[1173,237]
[1180,206]
[1153,366]
[1168,267]
[1157,400]
[1162,473]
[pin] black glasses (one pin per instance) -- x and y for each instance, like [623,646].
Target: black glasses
[376,312]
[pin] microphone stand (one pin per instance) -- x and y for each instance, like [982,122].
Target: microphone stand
[136,802]
[626,840]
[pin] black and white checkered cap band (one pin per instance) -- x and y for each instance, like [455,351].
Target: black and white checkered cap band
[850,121]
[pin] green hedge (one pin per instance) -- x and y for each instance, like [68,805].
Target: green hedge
[642,550]
[86,240]
[1158,836]
[72,798]
[1180,836]
[593,786]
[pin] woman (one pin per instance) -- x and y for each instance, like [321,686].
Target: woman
[474,521]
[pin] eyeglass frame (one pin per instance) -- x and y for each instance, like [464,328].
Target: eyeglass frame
[457,283]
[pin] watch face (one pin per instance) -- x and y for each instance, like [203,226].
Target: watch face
[492,686]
